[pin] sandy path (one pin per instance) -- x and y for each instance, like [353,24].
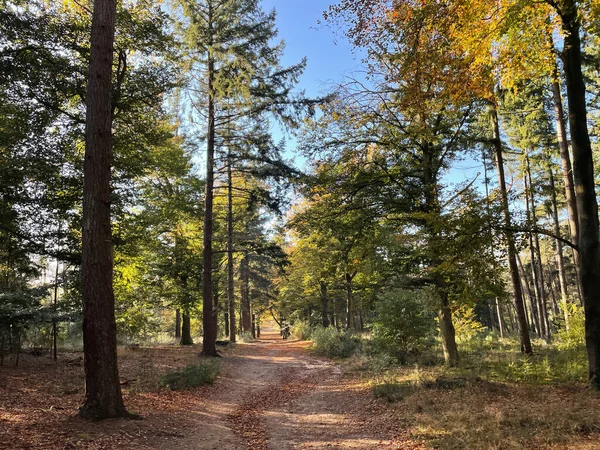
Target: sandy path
[274,395]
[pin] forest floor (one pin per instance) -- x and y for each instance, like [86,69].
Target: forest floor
[274,394]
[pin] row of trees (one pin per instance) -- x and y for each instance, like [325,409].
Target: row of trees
[450,82]
[108,110]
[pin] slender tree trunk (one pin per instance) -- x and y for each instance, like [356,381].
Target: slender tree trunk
[560,259]
[253,326]
[537,261]
[348,300]
[226,320]
[583,175]
[177,323]
[54,320]
[500,319]
[512,251]
[230,274]
[565,158]
[103,397]
[186,330]
[324,302]
[209,336]
[530,312]
[246,318]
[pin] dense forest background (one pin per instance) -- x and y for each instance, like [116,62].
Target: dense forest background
[373,244]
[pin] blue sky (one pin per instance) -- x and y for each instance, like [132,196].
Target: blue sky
[329,54]
[330,58]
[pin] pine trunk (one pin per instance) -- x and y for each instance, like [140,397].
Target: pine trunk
[512,251]
[177,323]
[230,274]
[324,302]
[246,317]
[102,387]
[209,335]
[186,330]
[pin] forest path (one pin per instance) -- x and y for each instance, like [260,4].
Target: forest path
[272,394]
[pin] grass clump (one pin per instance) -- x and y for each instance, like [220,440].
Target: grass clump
[192,375]
[392,392]
[334,343]
[301,330]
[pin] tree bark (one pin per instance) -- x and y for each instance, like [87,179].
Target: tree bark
[246,317]
[583,175]
[536,262]
[103,397]
[512,251]
[230,274]
[186,330]
[177,323]
[324,302]
[560,259]
[348,300]
[209,335]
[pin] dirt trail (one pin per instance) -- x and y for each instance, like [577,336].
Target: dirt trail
[273,394]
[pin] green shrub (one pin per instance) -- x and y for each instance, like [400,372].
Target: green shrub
[192,375]
[575,336]
[334,343]
[302,330]
[404,323]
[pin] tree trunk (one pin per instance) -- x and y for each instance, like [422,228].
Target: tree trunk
[583,175]
[54,321]
[536,259]
[177,323]
[253,326]
[209,335]
[348,300]
[103,397]
[246,318]
[447,330]
[560,259]
[186,330]
[324,303]
[500,320]
[230,274]
[226,320]
[565,158]
[512,251]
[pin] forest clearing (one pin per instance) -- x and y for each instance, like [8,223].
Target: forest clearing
[276,394]
[274,224]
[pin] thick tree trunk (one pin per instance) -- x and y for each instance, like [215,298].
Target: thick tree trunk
[245,288]
[186,330]
[209,335]
[177,323]
[512,251]
[102,387]
[583,175]
[324,302]
[230,274]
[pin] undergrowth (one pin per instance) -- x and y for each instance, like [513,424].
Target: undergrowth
[192,375]
[334,343]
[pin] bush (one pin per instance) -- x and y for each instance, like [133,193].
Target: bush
[301,330]
[575,336]
[192,375]
[404,323]
[334,343]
